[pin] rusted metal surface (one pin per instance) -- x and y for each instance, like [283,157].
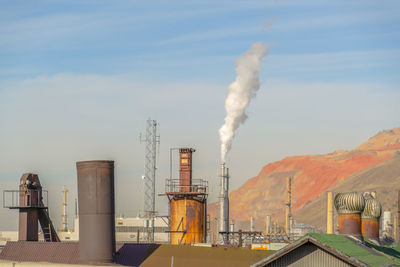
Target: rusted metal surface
[188,221]
[30,192]
[370,228]
[32,210]
[185,168]
[96,211]
[28,225]
[197,187]
[49,232]
[188,203]
[349,206]
[350,224]
[370,217]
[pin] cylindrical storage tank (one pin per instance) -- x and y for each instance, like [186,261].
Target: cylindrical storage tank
[96,211]
[187,221]
[387,224]
[349,207]
[370,218]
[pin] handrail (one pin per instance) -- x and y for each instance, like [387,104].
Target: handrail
[28,198]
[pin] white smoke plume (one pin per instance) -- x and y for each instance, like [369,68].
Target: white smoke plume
[240,93]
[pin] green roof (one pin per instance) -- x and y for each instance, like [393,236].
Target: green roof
[368,253]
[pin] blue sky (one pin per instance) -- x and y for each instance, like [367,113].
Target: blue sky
[78,79]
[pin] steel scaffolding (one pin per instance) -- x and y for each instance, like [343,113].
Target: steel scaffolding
[151,140]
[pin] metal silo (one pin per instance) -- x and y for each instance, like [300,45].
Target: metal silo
[96,211]
[349,207]
[370,218]
[188,204]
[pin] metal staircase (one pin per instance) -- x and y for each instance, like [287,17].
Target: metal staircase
[49,233]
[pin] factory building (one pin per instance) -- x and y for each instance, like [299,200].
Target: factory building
[330,250]
[135,230]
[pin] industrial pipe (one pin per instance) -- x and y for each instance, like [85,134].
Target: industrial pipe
[329,217]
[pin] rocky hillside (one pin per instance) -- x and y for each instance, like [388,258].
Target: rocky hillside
[312,176]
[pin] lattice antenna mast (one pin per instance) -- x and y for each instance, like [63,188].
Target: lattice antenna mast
[64,222]
[151,139]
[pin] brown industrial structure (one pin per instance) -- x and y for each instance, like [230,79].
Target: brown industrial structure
[349,207]
[370,217]
[96,211]
[32,209]
[188,203]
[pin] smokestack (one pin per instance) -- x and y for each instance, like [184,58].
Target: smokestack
[349,207]
[370,218]
[232,226]
[96,211]
[268,224]
[252,228]
[188,204]
[329,217]
[223,221]
[185,169]
[288,212]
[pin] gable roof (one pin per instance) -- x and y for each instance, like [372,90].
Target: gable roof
[351,251]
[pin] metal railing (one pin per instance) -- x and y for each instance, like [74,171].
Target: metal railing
[197,186]
[29,198]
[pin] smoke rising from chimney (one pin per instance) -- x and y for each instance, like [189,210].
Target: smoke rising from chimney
[240,93]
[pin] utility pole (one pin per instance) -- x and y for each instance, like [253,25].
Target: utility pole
[151,140]
[288,212]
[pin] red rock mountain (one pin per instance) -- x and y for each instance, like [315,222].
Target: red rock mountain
[312,176]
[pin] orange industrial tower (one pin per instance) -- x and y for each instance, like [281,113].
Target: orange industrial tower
[188,203]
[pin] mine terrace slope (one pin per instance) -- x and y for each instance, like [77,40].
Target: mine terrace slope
[312,176]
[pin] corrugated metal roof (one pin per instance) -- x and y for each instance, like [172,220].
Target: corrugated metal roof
[353,252]
[57,252]
[134,254]
[192,256]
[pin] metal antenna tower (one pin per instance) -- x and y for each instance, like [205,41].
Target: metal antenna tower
[151,140]
[64,223]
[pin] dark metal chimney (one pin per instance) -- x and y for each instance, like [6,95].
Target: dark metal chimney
[96,211]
